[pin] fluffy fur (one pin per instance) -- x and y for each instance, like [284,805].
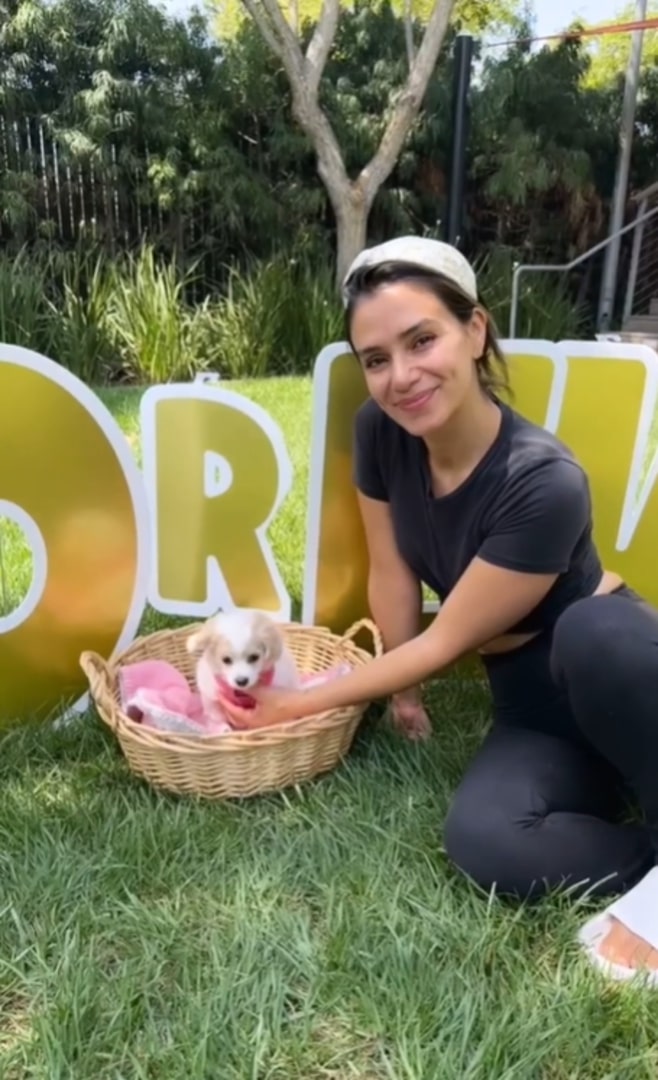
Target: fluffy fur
[239,649]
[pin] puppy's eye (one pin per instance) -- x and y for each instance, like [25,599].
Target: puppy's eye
[253,658]
[228,660]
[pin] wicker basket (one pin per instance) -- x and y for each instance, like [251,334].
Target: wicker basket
[243,763]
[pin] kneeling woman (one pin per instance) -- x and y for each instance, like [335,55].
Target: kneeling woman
[459,491]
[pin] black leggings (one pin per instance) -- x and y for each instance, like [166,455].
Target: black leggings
[574,734]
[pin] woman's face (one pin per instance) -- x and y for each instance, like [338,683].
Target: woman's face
[417,357]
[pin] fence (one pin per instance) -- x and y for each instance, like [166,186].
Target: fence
[46,196]
[641,301]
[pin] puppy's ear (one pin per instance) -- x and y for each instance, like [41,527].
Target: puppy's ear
[200,638]
[268,632]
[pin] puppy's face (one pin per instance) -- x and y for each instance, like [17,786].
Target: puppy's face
[239,646]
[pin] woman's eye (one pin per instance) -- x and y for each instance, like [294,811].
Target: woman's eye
[425,339]
[374,361]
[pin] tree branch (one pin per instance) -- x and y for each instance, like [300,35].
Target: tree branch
[320,44]
[263,24]
[278,35]
[314,122]
[380,166]
[304,74]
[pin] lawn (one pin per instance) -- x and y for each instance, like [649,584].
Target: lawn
[317,934]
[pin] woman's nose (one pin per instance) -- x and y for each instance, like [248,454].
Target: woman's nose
[403,372]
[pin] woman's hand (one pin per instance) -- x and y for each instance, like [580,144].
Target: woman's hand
[409,717]
[272,707]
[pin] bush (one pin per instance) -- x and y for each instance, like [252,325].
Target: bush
[132,320]
[275,318]
[158,336]
[546,310]
[25,314]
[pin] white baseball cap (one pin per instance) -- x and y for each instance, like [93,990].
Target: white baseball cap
[430,254]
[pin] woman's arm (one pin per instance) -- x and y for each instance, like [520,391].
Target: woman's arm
[486,602]
[395,602]
[529,546]
[394,592]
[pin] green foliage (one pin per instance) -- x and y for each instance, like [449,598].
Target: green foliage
[546,308]
[543,153]
[196,139]
[610,53]
[24,309]
[82,337]
[133,320]
[159,337]
[276,317]
[230,16]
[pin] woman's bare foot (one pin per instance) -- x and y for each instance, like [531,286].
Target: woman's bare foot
[622,946]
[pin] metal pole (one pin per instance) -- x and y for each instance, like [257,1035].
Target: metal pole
[635,260]
[462,78]
[516,281]
[609,281]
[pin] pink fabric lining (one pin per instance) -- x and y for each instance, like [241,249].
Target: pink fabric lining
[154,693]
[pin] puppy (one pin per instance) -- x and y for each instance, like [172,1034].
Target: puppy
[240,649]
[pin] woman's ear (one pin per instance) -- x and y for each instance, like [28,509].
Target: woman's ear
[477,329]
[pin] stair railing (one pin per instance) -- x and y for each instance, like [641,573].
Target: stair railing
[643,215]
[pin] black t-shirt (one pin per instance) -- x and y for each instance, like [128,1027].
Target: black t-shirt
[526,506]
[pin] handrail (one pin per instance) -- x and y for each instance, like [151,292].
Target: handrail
[524,268]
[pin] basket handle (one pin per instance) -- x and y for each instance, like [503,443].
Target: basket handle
[98,673]
[365,624]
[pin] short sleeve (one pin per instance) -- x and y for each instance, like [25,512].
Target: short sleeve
[368,466]
[540,519]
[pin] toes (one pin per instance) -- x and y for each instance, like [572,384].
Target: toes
[620,946]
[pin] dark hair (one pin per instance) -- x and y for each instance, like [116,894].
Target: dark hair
[492,368]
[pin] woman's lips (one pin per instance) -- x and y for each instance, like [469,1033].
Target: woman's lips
[413,404]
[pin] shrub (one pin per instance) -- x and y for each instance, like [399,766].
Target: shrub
[157,334]
[546,309]
[275,317]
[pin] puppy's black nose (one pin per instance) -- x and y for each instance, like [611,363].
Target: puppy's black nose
[241,680]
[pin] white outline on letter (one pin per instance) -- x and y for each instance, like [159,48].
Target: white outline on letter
[37,544]
[55,373]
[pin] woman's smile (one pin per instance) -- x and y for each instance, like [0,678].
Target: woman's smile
[415,403]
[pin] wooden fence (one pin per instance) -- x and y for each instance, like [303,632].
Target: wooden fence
[44,196]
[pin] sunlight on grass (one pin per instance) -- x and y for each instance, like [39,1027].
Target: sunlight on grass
[16,565]
[318,934]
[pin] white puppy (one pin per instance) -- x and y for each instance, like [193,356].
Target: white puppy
[240,649]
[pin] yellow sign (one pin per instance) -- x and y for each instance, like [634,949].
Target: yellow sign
[68,480]
[217,470]
[191,533]
[600,398]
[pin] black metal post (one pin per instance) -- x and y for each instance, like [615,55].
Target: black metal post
[460,124]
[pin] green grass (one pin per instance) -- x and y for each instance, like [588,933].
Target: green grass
[317,934]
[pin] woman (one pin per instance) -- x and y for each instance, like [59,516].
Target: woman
[459,491]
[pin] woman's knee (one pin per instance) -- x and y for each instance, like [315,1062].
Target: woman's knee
[488,848]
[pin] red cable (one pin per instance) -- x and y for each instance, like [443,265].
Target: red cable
[589,31]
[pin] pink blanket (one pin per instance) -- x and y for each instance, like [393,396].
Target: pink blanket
[154,693]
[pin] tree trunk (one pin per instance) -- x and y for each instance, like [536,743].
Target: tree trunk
[352,211]
[351,200]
